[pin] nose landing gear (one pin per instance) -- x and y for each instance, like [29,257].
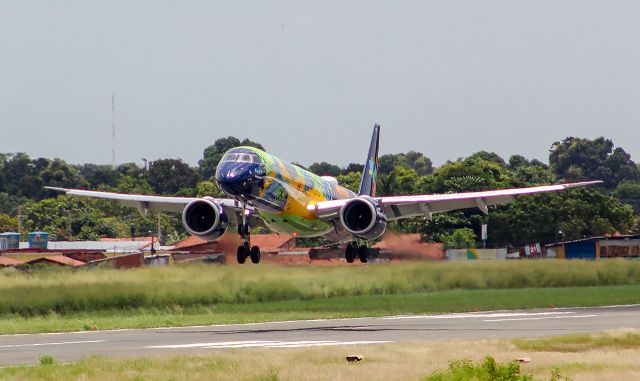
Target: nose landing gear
[246,250]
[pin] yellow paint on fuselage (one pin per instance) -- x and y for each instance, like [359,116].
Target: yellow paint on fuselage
[303,188]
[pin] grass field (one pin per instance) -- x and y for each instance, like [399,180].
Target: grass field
[601,357]
[63,300]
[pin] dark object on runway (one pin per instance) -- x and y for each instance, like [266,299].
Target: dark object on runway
[354,358]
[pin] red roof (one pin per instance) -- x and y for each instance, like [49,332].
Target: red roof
[190,241]
[266,242]
[58,259]
[125,239]
[9,262]
[271,242]
[410,244]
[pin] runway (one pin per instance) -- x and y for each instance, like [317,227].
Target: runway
[27,349]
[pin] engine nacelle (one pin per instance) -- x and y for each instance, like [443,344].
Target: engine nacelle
[205,218]
[363,217]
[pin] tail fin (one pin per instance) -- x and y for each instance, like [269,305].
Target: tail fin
[370,172]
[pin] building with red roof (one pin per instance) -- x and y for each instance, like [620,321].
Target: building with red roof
[59,260]
[408,246]
[9,262]
[268,243]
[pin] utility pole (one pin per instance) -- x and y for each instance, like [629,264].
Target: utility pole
[159,229]
[69,225]
[113,130]
[20,221]
[153,249]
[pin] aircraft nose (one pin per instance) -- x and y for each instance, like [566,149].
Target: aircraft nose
[238,179]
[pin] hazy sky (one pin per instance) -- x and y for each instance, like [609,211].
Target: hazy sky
[309,79]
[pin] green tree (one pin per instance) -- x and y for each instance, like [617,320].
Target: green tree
[578,213]
[463,238]
[3,160]
[129,184]
[386,164]
[26,177]
[8,223]
[21,175]
[169,176]
[353,167]
[471,174]
[99,175]
[575,159]
[442,224]
[9,204]
[488,156]
[132,170]
[629,192]
[60,174]
[209,188]
[400,181]
[527,173]
[65,217]
[412,159]
[416,161]
[325,169]
[350,180]
[516,161]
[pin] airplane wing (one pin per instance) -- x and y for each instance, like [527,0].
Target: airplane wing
[398,207]
[162,203]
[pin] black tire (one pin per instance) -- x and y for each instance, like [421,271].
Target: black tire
[241,254]
[363,253]
[255,254]
[350,253]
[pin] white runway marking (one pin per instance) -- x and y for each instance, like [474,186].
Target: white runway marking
[264,344]
[473,315]
[46,344]
[542,318]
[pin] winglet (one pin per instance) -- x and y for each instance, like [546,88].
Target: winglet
[582,184]
[370,172]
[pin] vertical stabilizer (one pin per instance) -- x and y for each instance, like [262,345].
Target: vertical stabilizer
[370,172]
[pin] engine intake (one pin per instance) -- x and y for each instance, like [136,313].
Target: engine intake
[205,218]
[363,217]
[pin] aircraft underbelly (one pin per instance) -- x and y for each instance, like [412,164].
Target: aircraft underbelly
[295,225]
[283,198]
[286,211]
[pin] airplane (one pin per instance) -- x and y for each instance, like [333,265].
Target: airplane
[288,199]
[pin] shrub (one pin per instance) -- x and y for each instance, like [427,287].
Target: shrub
[488,370]
[47,360]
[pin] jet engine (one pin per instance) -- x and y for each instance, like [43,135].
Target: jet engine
[205,218]
[363,217]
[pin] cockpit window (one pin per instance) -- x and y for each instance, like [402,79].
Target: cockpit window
[240,157]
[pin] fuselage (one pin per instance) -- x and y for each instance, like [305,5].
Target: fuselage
[278,190]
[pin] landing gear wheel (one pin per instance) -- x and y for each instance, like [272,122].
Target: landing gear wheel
[242,254]
[255,254]
[363,253]
[350,253]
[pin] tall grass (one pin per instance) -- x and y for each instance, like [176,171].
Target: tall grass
[45,292]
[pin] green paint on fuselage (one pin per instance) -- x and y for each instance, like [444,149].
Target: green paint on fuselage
[301,188]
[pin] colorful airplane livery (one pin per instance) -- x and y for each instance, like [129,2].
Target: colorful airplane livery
[288,199]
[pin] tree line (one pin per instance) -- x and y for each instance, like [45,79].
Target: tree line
[611,208]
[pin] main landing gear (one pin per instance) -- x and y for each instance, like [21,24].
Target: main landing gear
[354,250]
[246,250]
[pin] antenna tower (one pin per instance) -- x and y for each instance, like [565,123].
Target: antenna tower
[113,129]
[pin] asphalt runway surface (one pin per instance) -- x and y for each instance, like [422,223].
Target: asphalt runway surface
[27,349]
